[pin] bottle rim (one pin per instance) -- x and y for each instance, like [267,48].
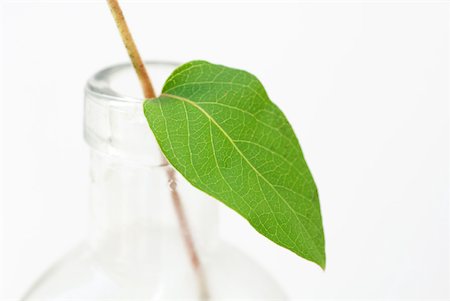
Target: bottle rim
[99,86]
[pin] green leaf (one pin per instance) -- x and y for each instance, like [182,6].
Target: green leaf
[218,128]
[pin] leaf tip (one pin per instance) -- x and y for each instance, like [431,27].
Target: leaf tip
[322,262]
[323,265]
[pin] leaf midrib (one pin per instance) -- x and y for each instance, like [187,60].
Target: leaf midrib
[296,214]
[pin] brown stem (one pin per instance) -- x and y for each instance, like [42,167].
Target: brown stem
[149,92]
[128,41]
[186,233]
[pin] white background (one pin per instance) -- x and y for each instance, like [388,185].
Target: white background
[365,86]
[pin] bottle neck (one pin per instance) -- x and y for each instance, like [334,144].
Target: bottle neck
[132,213]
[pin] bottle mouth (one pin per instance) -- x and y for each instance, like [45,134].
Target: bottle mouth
[120,83]
[114,121]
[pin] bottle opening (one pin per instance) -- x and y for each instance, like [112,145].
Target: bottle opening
[114,121]
[120,83]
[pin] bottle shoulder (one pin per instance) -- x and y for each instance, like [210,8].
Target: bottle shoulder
[83,274]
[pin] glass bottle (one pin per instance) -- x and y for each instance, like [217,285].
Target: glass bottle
[136,248]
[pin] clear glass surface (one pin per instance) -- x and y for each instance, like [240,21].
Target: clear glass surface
[135,249]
